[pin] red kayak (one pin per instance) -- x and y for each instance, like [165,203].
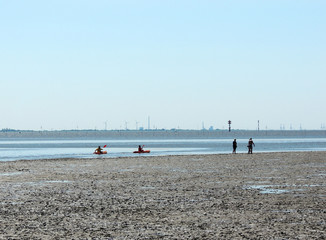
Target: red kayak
[103,152]
[144,151]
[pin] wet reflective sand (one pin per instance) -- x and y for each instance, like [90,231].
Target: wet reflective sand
[240,196]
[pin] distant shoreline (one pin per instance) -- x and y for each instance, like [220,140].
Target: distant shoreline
[163,134]
[218,155]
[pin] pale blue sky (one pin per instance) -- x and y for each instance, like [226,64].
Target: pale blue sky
[80,63]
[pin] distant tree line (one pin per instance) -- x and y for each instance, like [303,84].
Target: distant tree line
[9,130]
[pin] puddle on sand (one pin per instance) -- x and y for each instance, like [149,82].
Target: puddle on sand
[275,191]
[178,170]
[147,188]
[268,189]
[58,181]
[284,211]
[126,170]
[268,178]
[10,173]
[39,183]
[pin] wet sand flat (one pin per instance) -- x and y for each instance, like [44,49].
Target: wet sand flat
[227,196]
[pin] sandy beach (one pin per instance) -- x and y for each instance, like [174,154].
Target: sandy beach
[225,196]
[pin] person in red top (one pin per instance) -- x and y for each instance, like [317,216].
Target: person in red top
[140,149]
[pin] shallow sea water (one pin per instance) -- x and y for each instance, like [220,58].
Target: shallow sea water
[28,149]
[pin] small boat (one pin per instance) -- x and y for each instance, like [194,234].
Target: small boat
[99,153]
[143,151]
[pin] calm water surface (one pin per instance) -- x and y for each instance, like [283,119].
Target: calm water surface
[28,149]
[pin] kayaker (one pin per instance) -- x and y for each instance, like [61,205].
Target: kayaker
[99,149]
[140,149]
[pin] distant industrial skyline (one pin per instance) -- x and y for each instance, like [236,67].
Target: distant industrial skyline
[124,126]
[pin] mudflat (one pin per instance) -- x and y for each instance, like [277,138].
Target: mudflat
[226,196]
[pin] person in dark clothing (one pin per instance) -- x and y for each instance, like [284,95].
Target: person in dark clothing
[250,145]
[235,145]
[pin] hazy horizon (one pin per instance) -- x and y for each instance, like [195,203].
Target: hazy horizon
[156,129]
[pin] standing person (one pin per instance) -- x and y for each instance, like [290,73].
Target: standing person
[250,144]
[235,145]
